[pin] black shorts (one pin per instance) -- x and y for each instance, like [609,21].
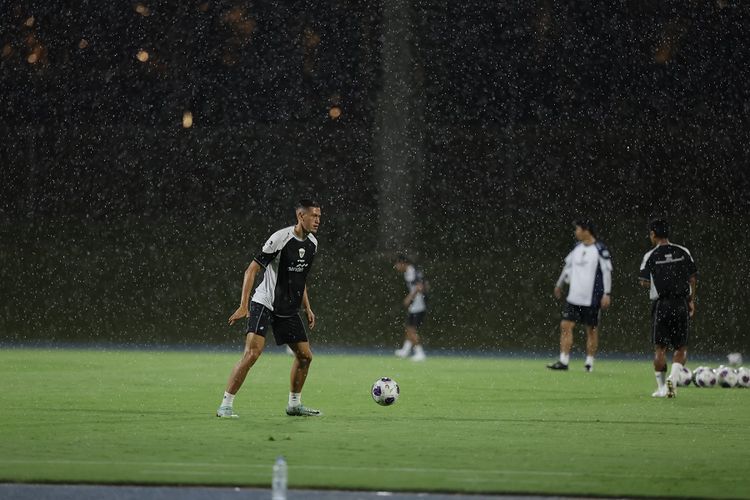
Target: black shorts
[587,315]
[415,319]
[286,329]
[670,319]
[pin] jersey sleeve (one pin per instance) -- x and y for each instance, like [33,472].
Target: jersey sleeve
[645,273]
[269,251]
[605,263]
[565,274]
[691,267]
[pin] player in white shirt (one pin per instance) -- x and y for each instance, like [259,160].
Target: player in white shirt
[588,272]
[416,305]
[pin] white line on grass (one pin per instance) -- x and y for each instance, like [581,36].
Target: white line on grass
[189,468]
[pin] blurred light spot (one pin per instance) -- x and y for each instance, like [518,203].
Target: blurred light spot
[142,56]
[187,119]
[142,10]
[29,22]
[334,112]
[83,44]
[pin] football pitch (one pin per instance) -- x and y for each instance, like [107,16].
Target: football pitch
[462,424]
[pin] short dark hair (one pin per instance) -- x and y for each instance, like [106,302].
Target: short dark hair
[306,203]
[660,227]
[587,224]
[402,259]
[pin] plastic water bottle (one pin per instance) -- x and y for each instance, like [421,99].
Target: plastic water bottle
[278,485]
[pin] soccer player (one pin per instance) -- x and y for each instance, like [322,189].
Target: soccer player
[286,259]
[416,306]
[588,271]
[670,274]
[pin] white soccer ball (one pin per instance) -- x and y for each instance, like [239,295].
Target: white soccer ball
[385,391]
[705,378]
[743,377]
[695,375]
[726,376]
[684,376]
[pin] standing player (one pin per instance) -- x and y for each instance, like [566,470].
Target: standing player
[286,259]
[669,272]
[416,306]
[588,270]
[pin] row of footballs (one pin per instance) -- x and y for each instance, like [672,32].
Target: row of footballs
[723,376]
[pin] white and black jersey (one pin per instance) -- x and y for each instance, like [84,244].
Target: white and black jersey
[414,277]
[668,267]
[286,260]
[588,270]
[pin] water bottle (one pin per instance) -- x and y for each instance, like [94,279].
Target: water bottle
[278,485]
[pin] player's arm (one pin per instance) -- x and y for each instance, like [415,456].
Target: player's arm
[644,274]
[247,286]
[418,288]
[564,278]
[693,280]
[308,310]
[605,262]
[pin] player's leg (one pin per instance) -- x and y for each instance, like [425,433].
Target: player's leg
[254,345]
[566,344]
[592,345]
[257,324]
[292,332]
[660,339]
[405,350]
[679,319]
[660,370]
[412,331]
[300,366]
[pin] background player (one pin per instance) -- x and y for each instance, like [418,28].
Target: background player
[588,271]
[416,305]
[670,274]
[286,259]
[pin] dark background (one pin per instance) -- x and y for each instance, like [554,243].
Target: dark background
[119,225]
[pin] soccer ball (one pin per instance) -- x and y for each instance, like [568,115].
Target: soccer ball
[726,376]
[385,391]
[695,375]
[684,376]
[705,378]
[743,377]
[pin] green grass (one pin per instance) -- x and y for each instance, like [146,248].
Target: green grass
[462,424]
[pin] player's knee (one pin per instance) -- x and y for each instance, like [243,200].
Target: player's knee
[305,358]
[250,355]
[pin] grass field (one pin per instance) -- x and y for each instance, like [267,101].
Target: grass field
[462,424]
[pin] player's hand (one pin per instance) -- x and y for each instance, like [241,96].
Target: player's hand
[407,300]
[240,313]
[558,292]
[691,308]
[310,318]
[605,301]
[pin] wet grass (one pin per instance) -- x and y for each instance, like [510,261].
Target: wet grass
[462,424]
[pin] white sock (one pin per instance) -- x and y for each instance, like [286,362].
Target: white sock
[676,368]
[418,349]
[564,358]
[295,399]
[661,381]
[590,360]
[407,345]
[228,399]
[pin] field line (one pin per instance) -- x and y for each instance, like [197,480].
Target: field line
[189,468]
